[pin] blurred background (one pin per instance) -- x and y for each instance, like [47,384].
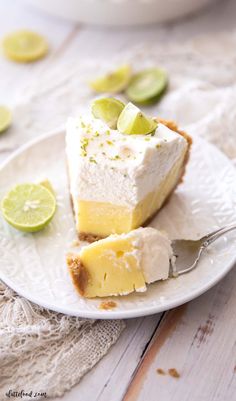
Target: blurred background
[103,31]
[101,28]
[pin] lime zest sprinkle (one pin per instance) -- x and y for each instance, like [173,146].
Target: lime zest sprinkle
[92,160]
[116,157]
[83,146]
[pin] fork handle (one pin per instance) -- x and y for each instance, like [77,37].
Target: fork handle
[208,239]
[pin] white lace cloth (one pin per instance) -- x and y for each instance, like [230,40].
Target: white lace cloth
[46,351]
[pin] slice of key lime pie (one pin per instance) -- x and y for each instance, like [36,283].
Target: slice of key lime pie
[121,176]
[121,264]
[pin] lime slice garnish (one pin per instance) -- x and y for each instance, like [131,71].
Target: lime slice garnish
[108,110]
[24,46]
[147,86]
[5,118]
[28,207]
[114,82]
[132,121]
[47,184]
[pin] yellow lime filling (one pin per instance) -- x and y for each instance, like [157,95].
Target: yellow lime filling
[112,268]
[103,218]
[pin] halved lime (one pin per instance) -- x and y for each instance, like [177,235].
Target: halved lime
[132,121]
[28,207]
[5,118]
[114,82]
[24,46]
[108,110]
[147,86]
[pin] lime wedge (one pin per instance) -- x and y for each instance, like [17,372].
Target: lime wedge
[147,86]
[47,184]
[132,121]
[114,82]
[108,110]
[5,118]
[28,207]
[24,46]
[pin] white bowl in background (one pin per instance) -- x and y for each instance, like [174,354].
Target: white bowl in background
[120,12]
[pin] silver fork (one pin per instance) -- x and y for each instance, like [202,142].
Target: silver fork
[187,252]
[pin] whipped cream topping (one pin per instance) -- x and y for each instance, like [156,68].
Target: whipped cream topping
[156,253]
[108,166]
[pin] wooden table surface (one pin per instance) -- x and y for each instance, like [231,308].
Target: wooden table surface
[197,339]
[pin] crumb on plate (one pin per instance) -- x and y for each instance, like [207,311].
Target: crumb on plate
[106,305]
[174,373]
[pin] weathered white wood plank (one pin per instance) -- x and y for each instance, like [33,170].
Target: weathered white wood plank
[3,156]
[108,380]
[199,341]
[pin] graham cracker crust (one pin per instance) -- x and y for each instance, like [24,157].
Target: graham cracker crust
[78,273]
[89,237]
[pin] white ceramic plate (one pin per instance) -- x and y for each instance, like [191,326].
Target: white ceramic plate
[34,264]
